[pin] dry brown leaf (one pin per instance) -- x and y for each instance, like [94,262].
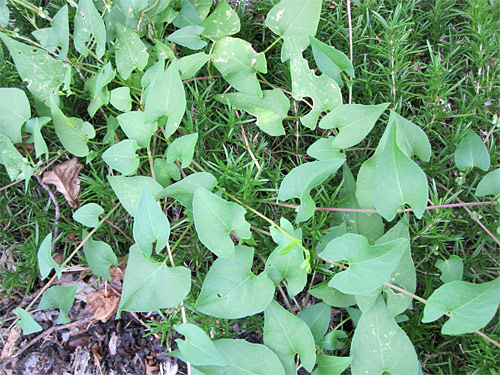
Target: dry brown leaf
[105,305]
[117,272]
[65,178]
[11,346]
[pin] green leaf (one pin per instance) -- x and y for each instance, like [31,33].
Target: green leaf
[333,340]
[270,110]
[295,21]
[26,321]
[130,52]
[111,126]
[34,126]
[287,335]
[188,15]
[324,91]
[451,269]
[369,266]
[120,99]
[490,184]
[471,152]
[89,22]
[135,127]
[73,132]
[299,182]
[61,297]
[379,346]
[150,286]
[183,191]
[57,35]
[188,36]
[13,161]
[354,121]
[287,266]
[88,214]
[166,98]
[99,256]
[4,13]
[231,290]
[122,157]
[223,21]
[471,306]
[165,171]
[128,190]
[332,296]
[215,219]
[197,348]
[191,64]
[238,63]
[331,61]
[323,150]
[182,149]
[368,225]
[14,112]
[244,358]
[152,74]
[317,318]
[330,365]
[150,224]
[42,73]
[45,261]
[398,180]
[404,275]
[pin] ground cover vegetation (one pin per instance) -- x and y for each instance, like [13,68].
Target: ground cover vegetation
[288,185]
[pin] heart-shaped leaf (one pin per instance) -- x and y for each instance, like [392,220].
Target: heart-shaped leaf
[188,36]
[182,149]
[61,297]
[26,321]
[471,152]
[130,51]
[89,22]
[122,157]
[135,127]
[88,214]
[99,257]
[197,348]
[331,61]
[231,290]
[452,269]
[45,261]
[129,190]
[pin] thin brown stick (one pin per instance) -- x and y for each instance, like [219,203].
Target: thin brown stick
[119,230]
[244,135]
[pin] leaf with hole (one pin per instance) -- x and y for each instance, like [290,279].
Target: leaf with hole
[299,182]
[26,321]
[287,335]
[472,152]
[452,269]
[188,36]
[42,72]
[57,35]
[120,99]
[238,63]
[14,112]
[223,21]
[317,318]
[231,290]
[73,132]
[166,99]
[183,191]
[286,260]
[369,266]
[471,306]
[99,256]
[122,157]
[129,190]
[331,61]
[88,22]
[150,224]
[244,358]
[61,297]
[380,346]
[197,348]
[215,219]
[136,127]
[182,149]
[295,21]
[88,214]
[130,52]
[45,261]
[324,91]
[270,110]
[149,285]
[354,122]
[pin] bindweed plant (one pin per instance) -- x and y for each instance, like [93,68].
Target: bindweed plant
[141,85]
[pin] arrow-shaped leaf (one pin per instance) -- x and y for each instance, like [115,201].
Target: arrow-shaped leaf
[99,256]
[331,61]
[471,152]
[89,22]
[122,157]
[61,297]
[130,51]
[223,21]
[45,261]
[197,348]
[26,321]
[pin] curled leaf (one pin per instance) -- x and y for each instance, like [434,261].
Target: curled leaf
[65,178]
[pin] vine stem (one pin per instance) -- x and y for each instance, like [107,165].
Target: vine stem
[420,299]
[66,261]
[362,210]
[142,15]
[272,44]
[349,20]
